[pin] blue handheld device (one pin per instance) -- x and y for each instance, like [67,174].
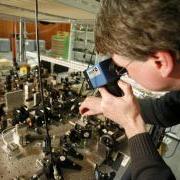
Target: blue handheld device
[105,74]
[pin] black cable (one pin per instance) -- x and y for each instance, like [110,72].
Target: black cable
[40,74]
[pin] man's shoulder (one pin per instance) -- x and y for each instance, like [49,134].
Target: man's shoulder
[172,96]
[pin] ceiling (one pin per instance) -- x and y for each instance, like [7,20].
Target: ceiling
[51,10]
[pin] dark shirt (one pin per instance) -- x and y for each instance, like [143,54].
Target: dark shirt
[147,164]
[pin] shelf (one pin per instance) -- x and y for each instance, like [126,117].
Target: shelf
[78,31]
[78,66]
[82,31]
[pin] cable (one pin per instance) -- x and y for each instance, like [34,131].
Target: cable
[40,77]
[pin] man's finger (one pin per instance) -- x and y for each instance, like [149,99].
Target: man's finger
[126,88]
[104,92]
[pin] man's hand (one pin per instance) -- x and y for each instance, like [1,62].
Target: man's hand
[91,106]
[123,110]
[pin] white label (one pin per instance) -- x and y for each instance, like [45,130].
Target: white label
[125,160]
[110,133]
[94,72]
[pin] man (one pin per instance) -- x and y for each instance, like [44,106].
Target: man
[142,36]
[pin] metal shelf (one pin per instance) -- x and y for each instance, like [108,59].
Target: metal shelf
[78,66]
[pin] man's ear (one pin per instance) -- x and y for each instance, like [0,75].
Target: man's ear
[164,62]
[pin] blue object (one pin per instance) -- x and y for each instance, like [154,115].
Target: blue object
[101,74]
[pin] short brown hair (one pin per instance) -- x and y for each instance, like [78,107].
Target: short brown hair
[138,28]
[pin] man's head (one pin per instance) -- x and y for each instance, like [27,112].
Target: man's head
[146,31]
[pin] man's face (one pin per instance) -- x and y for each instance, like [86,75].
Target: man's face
[143,72]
